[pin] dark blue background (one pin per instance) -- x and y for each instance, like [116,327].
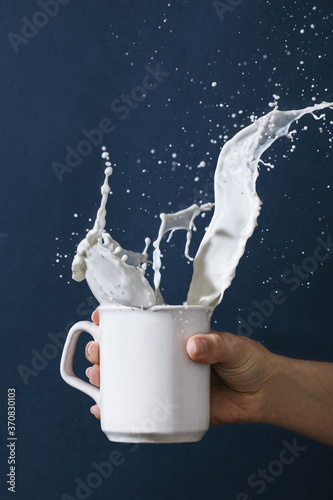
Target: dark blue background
[64,80]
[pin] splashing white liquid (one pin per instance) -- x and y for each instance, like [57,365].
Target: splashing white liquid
[116,276]
[184,219]
[237,204]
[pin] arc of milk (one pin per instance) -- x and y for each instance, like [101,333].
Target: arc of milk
[184,219]
[237,204]
[114,275]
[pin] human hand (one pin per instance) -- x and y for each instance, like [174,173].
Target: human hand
[92,355]
[241,369]
[249,384]
[240,377]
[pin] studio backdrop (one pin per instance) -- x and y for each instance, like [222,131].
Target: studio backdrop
[162,86]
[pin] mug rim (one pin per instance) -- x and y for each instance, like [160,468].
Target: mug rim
[156,308]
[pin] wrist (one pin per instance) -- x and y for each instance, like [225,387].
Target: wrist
[275,398]
[263,402]
[288,395]
[296,395]
[277,395]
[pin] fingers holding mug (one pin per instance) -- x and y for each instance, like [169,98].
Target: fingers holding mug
[95,317]
[93,372]
[92,352]
[96,411]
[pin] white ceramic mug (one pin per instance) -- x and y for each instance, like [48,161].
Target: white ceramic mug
[150,390]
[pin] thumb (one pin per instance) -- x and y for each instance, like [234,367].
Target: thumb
[215,347]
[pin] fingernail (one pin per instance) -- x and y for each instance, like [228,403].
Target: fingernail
[87,371]
[93,410]
[88,348]
[95,316]
[198,347]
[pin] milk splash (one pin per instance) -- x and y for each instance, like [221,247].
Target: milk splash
[114,275]
[117,276]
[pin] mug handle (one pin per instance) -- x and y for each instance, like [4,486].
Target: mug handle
[66,365]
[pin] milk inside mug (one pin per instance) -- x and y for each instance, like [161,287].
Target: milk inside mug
[150,390]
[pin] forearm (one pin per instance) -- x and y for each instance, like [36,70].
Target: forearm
[300,398]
